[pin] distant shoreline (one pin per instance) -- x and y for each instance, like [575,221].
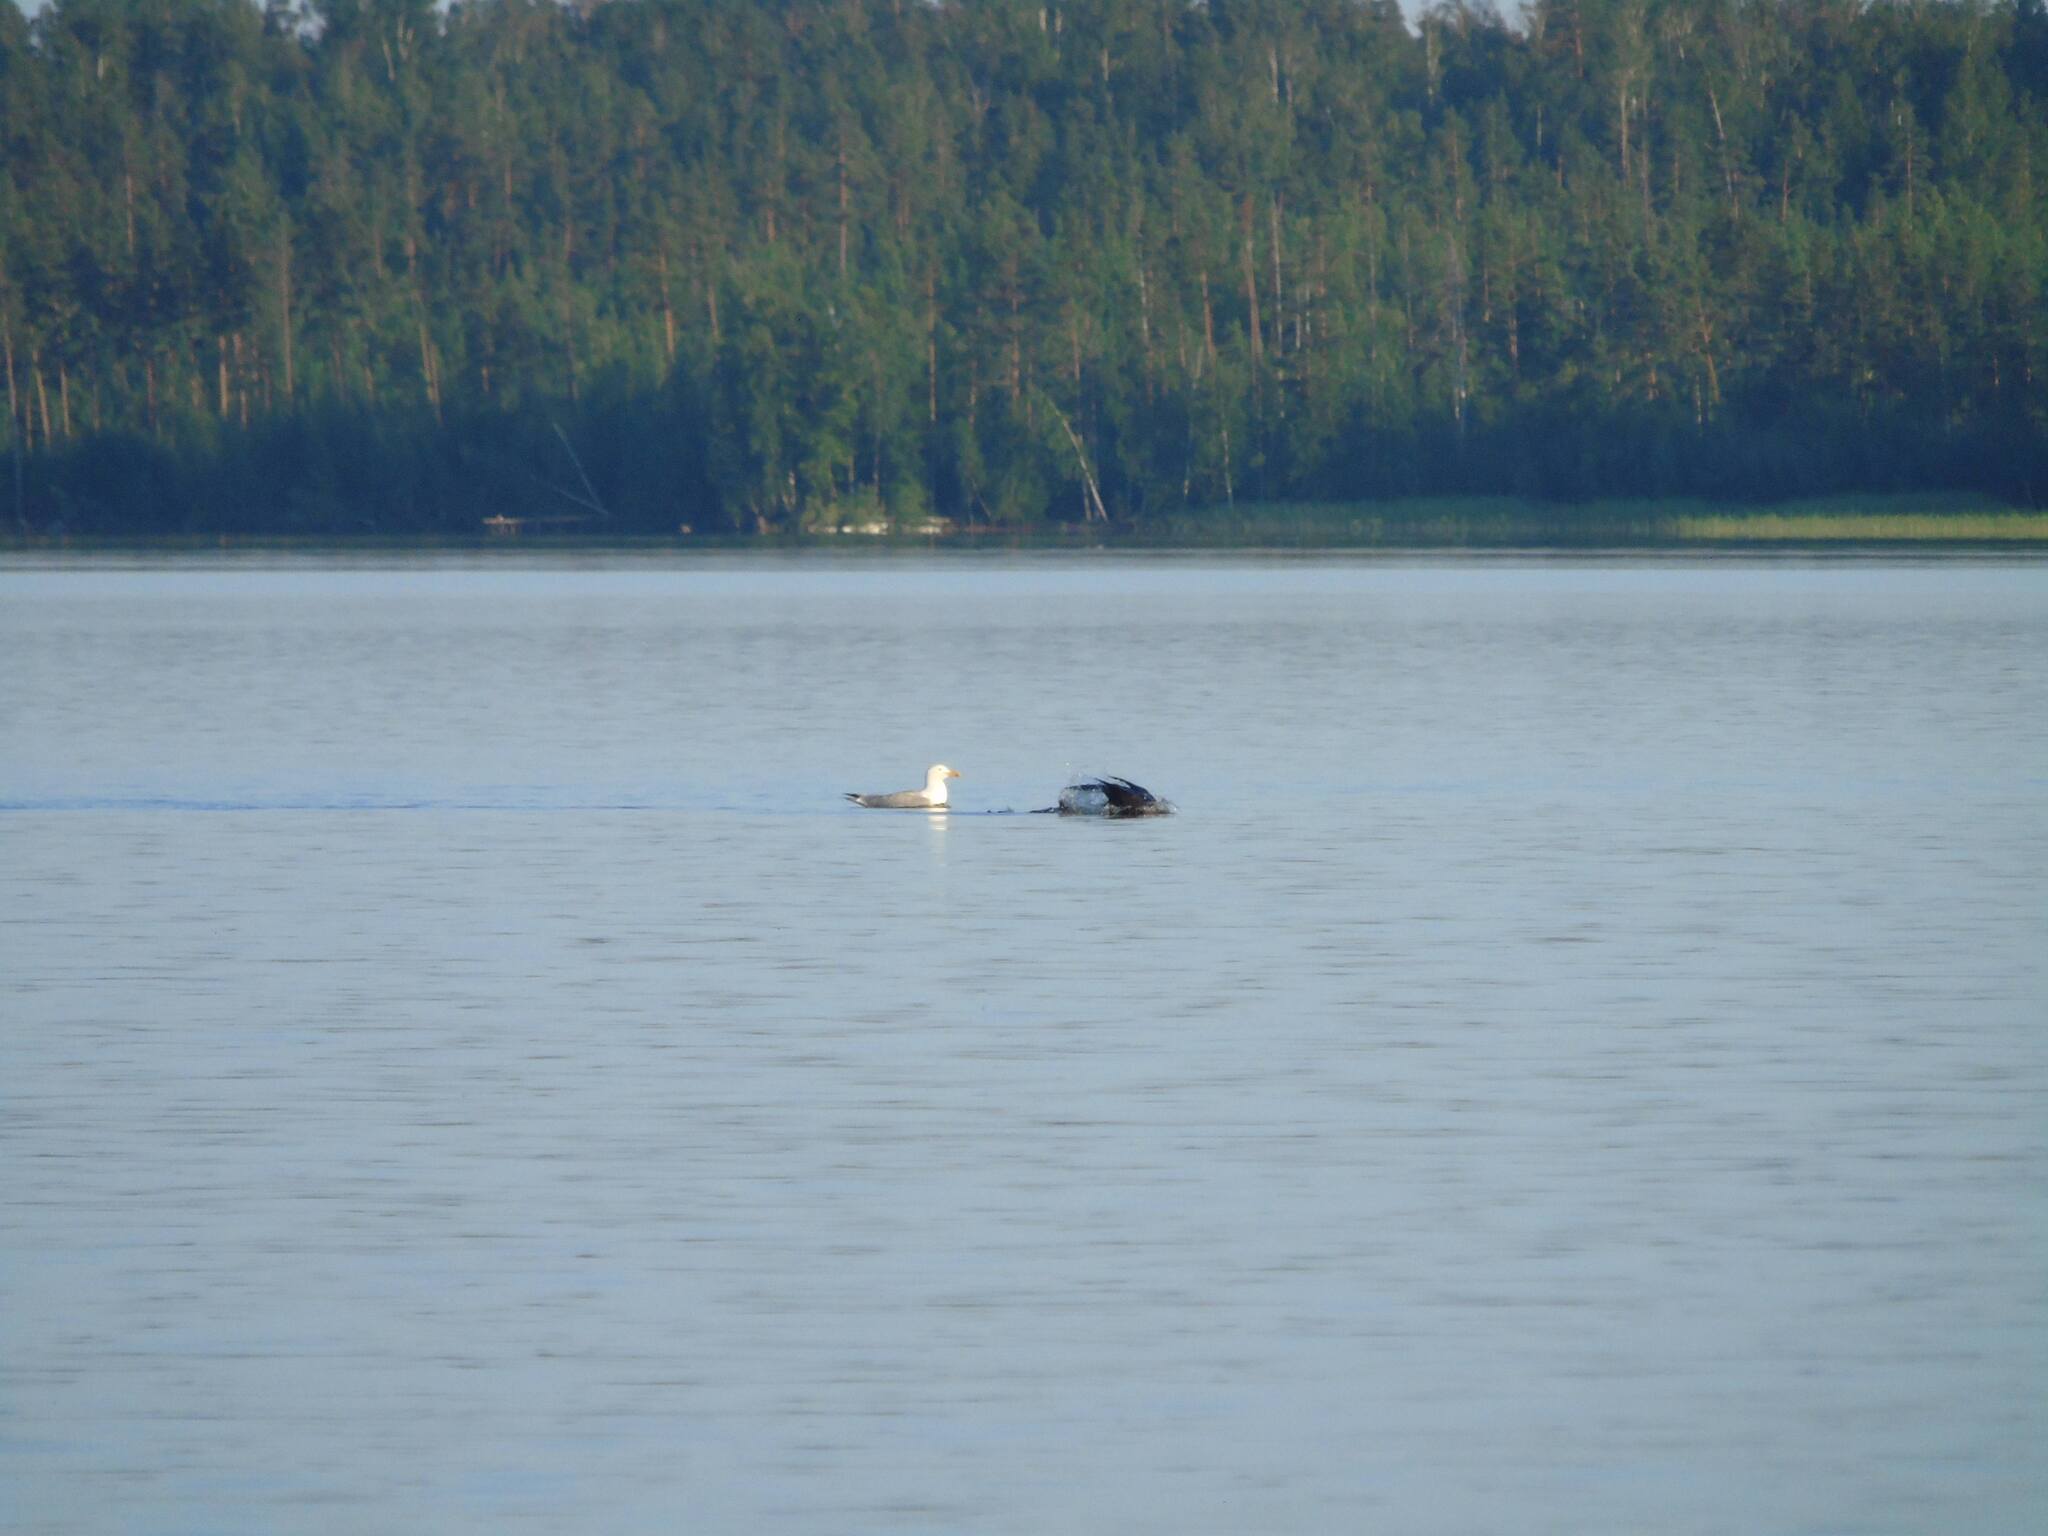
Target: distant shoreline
[1920,522]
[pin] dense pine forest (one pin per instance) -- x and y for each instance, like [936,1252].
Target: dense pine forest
[381,266]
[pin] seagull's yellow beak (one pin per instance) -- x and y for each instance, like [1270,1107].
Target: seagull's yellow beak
[952,773]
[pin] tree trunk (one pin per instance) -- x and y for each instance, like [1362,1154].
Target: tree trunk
[1016,297]
[1707,353]
[1251,289]
[13,406]
[668,314]
[432,375]
[842,207]
[1208,321]
[1621,106]
[284,304]
[35,368]
[1727,169]
[1092,508]
[1145,325]
[1279,292]
[1229,491]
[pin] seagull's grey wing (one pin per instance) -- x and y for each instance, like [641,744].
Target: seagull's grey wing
[902,800]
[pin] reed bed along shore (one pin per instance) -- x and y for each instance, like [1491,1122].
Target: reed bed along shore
[1874,528]
[1509,522]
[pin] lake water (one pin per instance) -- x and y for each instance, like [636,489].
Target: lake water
[1578,1061]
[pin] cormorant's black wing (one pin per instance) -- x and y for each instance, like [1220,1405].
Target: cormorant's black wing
[1124,795]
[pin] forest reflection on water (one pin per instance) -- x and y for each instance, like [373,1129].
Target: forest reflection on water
[1576,1060]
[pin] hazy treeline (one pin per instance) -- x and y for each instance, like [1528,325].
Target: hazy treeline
[356,265]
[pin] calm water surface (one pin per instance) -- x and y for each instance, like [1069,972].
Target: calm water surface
[1577,1062]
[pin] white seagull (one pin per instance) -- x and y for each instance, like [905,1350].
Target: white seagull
[931,798]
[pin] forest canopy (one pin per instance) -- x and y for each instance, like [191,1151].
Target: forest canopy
[351,266]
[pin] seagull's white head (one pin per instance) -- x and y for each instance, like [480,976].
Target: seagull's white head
[935,782]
